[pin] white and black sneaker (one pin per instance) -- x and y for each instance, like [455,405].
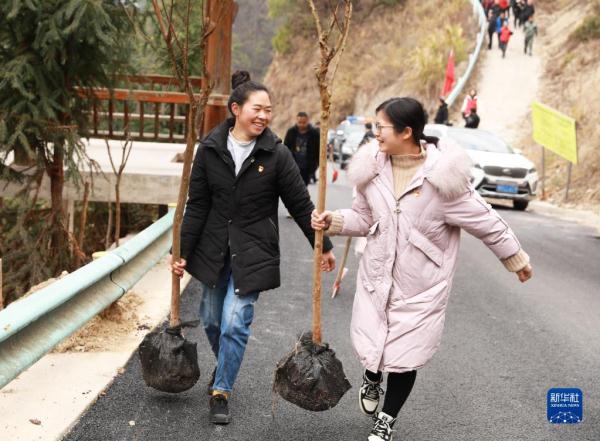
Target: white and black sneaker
[368,395]
[382,428]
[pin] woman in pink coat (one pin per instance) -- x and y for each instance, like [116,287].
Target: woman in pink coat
[413,198]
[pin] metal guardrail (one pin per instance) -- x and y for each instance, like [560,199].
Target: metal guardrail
[473,56]
[32,326]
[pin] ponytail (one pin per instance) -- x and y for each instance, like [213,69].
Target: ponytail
[429,139]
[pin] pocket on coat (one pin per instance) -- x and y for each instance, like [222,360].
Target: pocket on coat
[374,253]
[431,250]
[420,264]
[428,295]
[368,285]
[373,229]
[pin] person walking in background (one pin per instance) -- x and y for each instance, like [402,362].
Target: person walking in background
[500,22]
[531,31]
[517,11]
[505,35]
[470,102]
[413,198]
[496,9]
[303,141]
[441,116]
[491,28]
[487,5]
[472,120]
[229,233]
[528,11]
[505,8]
[369,135]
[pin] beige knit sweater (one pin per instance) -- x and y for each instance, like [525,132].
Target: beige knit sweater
[404,168]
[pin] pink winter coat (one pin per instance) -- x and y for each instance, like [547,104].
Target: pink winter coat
[406,271]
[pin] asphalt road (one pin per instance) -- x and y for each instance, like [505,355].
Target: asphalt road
[505,345]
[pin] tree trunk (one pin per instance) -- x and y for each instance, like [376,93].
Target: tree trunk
[117,211]
[56,174]
[108,240]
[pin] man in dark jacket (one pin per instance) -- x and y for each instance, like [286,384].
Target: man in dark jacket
[303,141]
[527,11]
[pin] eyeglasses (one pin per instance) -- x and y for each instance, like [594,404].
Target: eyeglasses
[378,127]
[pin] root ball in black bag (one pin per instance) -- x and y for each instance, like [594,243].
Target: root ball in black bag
[311,377]
[169,361]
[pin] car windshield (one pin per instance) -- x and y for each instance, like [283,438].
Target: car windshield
[480,140]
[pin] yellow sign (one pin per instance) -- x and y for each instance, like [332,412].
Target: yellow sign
[554,131]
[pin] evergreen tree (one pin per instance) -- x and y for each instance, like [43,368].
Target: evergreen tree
[47,48]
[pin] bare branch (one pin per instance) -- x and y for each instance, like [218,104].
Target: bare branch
[341,45]
[315,14]
[112,164]
[186,46]
[136,27]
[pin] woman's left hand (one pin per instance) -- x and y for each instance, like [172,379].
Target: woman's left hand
[328,261]
[525,274]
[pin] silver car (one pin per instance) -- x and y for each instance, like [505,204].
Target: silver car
[499,171]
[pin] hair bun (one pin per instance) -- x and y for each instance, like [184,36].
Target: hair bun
[239,77]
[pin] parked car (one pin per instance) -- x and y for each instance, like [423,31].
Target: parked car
[499,171]
[344,142]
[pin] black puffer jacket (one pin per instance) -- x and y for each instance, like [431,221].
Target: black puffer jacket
[240,213]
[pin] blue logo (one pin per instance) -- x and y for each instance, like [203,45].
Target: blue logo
[565,405]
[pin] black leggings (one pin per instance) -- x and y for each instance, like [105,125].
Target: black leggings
[399,387]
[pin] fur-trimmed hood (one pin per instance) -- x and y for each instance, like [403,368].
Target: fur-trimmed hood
[447,167]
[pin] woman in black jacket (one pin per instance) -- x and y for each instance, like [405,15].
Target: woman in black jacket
[230,235]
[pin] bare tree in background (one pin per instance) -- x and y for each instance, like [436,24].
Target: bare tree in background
[118,171]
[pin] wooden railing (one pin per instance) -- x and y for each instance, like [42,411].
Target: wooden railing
[142,114]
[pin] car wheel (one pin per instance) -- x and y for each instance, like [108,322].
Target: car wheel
[520,205]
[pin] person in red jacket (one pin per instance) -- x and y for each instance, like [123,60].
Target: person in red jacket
[505,35]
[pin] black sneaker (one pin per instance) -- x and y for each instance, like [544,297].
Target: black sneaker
[368,395]
[219,409]
[211,383]
[382,428]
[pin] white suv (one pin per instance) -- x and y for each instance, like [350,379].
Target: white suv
[499,171]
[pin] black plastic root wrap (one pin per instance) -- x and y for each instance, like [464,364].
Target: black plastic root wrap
[169,361]
[311,377]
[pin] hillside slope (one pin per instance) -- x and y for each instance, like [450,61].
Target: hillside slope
[391,51]
[570,82]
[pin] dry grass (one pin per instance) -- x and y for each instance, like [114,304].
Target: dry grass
[393,52]
[104,331]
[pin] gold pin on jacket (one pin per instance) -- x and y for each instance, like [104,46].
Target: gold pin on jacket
[261,169]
